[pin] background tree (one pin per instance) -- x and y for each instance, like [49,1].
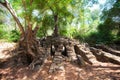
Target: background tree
[59,14]
[108,31]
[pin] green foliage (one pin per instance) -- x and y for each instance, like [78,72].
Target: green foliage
[14,36]
[107,32]
[81,35]
[42,32]
[104,33]
[2,32]
[7,35]
[2,1]
[76,19]
[99,38]
[68,31]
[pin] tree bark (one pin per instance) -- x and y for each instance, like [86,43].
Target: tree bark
[56,33]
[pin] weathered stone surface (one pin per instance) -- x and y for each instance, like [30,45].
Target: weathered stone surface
[59,45]
[80,61]
[71,53]
[105,56]
[83,53]
[108,49]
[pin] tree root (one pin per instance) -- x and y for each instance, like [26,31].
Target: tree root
[67,50]
[39,60]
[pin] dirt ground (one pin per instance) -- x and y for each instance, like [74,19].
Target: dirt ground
[11,70]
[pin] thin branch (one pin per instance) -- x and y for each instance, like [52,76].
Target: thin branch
[24,4]
[31,1]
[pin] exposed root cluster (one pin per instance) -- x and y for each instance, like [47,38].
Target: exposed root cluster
[62,49]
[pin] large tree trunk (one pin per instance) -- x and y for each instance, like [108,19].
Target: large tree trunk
[56,32]
[28,42]
[28,36]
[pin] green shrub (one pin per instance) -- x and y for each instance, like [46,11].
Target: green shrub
[14,36]
[42,32]
[3,33]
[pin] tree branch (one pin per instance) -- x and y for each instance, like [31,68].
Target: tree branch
[13,13]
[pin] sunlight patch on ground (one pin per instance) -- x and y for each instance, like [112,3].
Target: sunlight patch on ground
[5,48]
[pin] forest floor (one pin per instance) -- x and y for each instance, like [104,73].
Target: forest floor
[11,71]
